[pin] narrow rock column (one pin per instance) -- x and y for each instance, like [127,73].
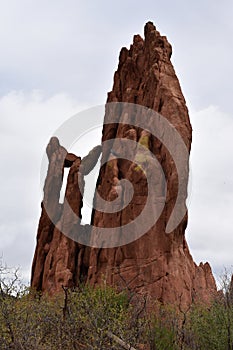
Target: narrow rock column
[50,204]
[59,258]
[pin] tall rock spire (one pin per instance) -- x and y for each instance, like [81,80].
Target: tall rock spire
[157,264]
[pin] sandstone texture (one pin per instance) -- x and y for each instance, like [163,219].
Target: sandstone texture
[58,258]
[158,264]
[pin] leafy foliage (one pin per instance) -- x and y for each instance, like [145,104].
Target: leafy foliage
[102,318]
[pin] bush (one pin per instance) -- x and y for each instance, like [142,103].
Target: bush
[102,318]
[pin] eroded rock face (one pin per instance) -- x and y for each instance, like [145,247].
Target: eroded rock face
[58,259]
[157,264]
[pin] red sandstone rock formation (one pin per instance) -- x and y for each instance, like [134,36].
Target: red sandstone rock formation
[157,264]
[58,259]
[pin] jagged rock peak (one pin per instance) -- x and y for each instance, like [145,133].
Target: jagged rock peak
[157,264]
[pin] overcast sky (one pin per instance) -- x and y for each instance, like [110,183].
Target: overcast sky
[58,57]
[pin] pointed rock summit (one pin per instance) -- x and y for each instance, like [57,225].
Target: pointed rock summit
[157,264]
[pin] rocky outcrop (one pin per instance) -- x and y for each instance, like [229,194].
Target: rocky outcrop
[157,264]
[58,258]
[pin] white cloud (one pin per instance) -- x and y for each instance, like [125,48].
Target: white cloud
[210,229]
[73,46]
[27,121]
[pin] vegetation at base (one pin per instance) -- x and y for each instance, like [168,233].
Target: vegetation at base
[102,318]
